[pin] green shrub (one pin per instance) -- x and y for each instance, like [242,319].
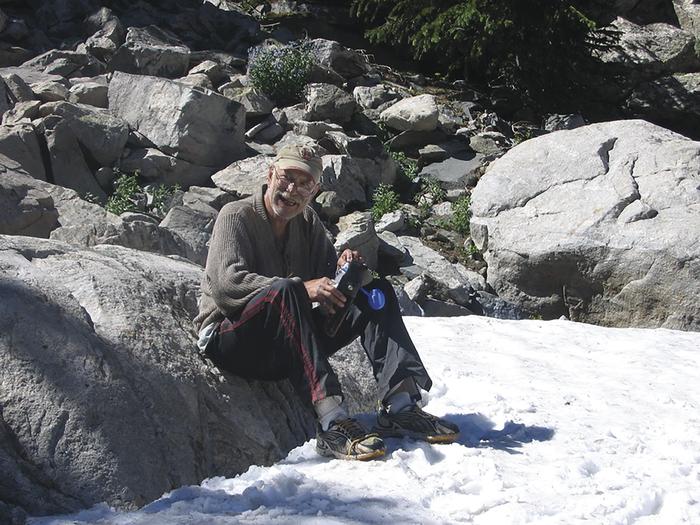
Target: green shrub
[431,193]
[384,200]
[461,215]
[407,168]
[126,188]
[161,196]
[128,192]
[281,72]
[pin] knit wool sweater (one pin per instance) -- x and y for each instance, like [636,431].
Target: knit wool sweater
[244,257]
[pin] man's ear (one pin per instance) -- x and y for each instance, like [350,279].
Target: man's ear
[269,174]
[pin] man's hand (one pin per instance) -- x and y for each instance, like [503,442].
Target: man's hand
[349,255]
[324,292]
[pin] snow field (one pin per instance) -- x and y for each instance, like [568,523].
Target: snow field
[562,423]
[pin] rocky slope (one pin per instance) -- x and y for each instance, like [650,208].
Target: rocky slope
[103,395]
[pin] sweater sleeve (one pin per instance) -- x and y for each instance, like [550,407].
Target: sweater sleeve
[322,250]
[230,265]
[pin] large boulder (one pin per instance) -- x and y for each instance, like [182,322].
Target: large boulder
[673,101]
[328,102]
[343,61]
[243,177]
[25,209]
[117,405]
[419,113]
[151,51]
[600,223]
[157,167]
[101,135]
[20,143]
[652,49]
[688,13]
[203,128]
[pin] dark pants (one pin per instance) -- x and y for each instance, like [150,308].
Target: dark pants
[278,335]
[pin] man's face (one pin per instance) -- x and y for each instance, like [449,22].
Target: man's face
[290,191]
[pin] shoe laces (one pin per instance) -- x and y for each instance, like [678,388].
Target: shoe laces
[353,429]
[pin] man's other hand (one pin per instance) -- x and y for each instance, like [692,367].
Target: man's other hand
[324,292]
[349,255]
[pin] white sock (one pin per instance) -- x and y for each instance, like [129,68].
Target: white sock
[399,401]
[328,410]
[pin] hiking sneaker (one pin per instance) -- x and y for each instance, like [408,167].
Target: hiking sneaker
[412,422]
[348,439]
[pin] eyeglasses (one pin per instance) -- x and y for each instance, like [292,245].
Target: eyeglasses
[303,188]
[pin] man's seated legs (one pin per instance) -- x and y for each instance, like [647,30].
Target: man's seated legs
[397,368]
[276,337]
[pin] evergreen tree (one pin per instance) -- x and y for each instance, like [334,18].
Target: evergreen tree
[540,47]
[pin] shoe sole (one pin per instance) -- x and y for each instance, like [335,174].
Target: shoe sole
[327,453]
[438,439]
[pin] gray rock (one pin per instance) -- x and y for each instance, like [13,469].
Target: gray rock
[371,97]
[50,91]
[426,260]
[109,34]
[391,222]
[193,227]
[270,133]
[346,176]
[213,70]
[652,49]
[19,89]
[489,143]
[413,140]
[419,113]
[332,206]
[100,134]
[114,352]
[22,112]
[328,102]
[674,99]
[558,239]
[157,167]
[151,51]
[66,64]
[433,153]
[243,177]
[493,306]
[197,196]
[437,308]
[455,173]
[90,93]
[354,371]
[343,61]
[256,104]
[25,209]
[202,128]
[357,233]
[315,130]
[406,305]
[390,246]
[197,80]
[20,143]
[688,12]
[559,122]
[68,165]
[30,75]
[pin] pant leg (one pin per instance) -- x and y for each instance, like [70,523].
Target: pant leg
[394,357]
[275,337]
